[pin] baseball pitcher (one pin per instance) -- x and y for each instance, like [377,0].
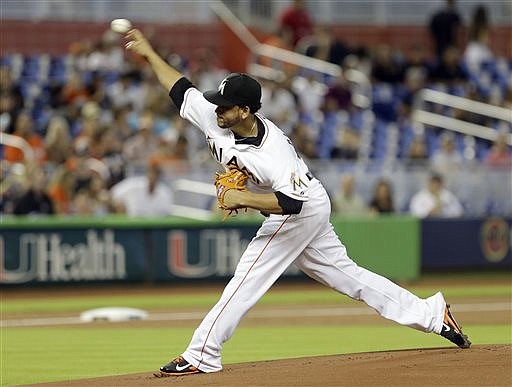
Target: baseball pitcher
[296,229]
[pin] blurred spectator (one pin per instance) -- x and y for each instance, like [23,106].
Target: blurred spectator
[74,90]
[107,54]
[90,194]
[145,195]
[416,70]
[79,166]
[445,28]
[278,104]
[172,152]
[417,155]
[347,202]
[446,159]
[417,59]
[435,201]
[107,144]
[323,45]
[120,126]
[13,183]
[157,99]
[206,71]
[94,198]
[109,150]
[413,83]
[7,112]
[348,143]
[500,154]
[448,70]
[340,93]
[7,85]
[302,138]
[78,52]
[24,128]
[58,141]
[181,151]
[386,67]
[297,20]
[382,198]
[35,200]
[309,92]
[88,128]
[360,60]
[83,203]
[61,190]
[477,50]
[144,143]
[128,90]
[11,100]
[97,90]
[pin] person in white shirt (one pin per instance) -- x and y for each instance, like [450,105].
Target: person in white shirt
[447,159]
[435,201]
[278,104]
[144,143]
[144,195]
[347,202]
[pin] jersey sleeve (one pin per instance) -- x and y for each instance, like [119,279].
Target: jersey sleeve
[193,106]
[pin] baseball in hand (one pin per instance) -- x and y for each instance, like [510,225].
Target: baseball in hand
[121,26]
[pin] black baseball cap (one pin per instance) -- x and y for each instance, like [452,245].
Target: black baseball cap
[236,89]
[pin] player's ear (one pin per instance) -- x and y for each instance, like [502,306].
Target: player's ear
[246,111]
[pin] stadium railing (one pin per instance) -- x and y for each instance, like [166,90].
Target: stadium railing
[362,89]
[19,143]
[424,117]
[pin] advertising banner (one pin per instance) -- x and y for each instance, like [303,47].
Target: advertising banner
[71,255]
[56,250]
[192,253]
[466,243]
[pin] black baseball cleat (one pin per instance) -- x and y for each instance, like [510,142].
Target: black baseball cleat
[178,367]
[452,331]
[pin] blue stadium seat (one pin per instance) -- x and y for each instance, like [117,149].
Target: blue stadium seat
[384,101]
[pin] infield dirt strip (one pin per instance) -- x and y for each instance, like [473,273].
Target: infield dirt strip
[484,365]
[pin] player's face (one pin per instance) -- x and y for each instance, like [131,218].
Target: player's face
[229,116]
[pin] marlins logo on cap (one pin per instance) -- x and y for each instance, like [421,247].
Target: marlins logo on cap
[236,89]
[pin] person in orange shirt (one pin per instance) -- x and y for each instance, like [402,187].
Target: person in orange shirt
[24,128]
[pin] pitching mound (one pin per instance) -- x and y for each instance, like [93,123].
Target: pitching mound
[483,365]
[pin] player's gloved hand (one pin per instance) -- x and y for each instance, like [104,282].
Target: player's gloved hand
[225,181]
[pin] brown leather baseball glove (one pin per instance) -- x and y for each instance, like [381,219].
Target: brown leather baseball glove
[224,181]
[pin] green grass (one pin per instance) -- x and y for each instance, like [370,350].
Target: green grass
[86,351]
[77,352]
[164,301]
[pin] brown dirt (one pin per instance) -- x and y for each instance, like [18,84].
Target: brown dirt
[483,365]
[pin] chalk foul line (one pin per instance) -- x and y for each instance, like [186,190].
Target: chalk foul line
[267,314]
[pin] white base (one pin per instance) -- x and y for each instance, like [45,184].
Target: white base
[113,314]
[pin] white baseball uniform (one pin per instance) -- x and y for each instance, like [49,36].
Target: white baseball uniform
[306,239]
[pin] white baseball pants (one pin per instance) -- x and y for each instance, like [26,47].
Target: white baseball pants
[308,240]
